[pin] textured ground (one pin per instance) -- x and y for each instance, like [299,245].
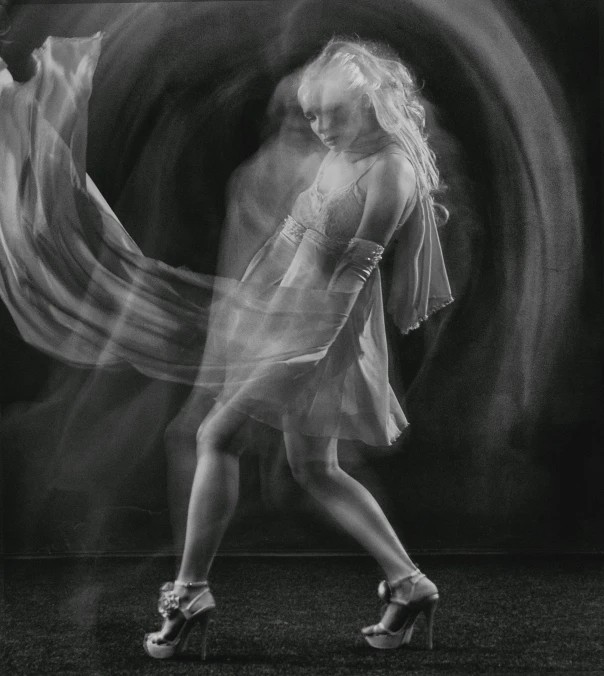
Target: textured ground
[301,615]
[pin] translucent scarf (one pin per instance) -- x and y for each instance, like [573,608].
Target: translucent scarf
[80,289]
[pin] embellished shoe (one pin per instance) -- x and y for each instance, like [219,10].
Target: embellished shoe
[404,600]
[180,615]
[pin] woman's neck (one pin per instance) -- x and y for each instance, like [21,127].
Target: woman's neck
[368,144]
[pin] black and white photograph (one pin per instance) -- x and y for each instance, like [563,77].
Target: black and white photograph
[301,338]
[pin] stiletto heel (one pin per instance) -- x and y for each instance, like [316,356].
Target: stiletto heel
[429,613]
[428,610]
[204,623]
[420,598]
[180,616]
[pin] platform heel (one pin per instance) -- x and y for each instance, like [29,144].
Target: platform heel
[181,615]
[412,595]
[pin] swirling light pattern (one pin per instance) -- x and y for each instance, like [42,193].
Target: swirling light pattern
[196,141]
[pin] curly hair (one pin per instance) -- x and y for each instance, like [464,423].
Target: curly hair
[376,71]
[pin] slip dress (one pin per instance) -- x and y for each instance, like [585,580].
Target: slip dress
[347,393]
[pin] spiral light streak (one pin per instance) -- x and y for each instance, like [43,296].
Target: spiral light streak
[196,141]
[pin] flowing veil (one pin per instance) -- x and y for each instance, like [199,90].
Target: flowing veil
[79,288]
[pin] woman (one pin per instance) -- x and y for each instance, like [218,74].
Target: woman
[298,343]
[377,174]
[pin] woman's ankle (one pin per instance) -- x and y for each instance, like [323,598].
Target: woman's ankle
[406,573]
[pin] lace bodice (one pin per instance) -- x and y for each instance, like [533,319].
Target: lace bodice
[336,214]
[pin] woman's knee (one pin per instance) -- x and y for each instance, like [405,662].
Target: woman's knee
[312,474]
[217,434]
[209,440]
[181,431]
[218,430]
[312,460]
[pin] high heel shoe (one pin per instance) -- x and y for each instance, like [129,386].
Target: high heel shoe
[416,594]
[171,641]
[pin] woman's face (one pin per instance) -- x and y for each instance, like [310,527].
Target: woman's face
[337,115]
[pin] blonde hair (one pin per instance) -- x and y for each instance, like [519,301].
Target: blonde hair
[376,71]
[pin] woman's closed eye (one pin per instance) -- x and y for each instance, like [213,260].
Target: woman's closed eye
[333,113]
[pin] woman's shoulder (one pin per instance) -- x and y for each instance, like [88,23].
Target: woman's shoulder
[395,160]
[391,189]
[392,167]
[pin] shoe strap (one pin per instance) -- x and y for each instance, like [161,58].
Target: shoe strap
[417,574]
[191,585]
[380,630]
[185,607]
[171,603]
[190,608]
[386,589]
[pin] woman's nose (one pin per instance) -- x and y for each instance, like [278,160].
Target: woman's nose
[322,126]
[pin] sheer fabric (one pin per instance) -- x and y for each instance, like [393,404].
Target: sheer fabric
[298,343]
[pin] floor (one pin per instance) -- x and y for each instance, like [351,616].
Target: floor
[301,615]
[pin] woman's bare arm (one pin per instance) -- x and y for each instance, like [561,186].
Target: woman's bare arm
[391,183]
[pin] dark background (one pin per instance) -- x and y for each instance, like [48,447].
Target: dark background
[503,389]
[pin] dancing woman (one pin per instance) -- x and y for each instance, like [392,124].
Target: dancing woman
[298,343]
[377,176]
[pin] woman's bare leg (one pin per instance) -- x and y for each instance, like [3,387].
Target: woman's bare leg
[180,443]
[214,492]
[314,464]
[213,500]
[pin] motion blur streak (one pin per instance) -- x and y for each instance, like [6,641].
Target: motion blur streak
[195,139]
[535,218]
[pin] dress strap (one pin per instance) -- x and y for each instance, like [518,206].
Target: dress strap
[379,155]
[366,170]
